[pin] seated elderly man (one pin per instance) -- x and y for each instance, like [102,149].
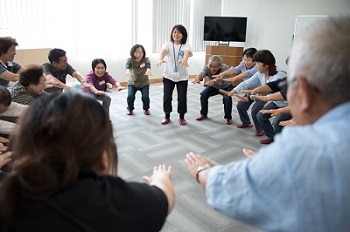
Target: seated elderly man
[300,182]
[215,66]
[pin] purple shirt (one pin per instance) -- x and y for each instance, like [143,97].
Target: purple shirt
[100,82]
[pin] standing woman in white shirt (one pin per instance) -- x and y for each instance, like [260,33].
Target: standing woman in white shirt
[175,54]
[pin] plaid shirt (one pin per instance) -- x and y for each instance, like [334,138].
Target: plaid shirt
[21,95]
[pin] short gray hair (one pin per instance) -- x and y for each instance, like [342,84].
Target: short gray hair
[217,59]
[322,55]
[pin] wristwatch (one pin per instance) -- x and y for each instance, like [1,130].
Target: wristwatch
[201,168]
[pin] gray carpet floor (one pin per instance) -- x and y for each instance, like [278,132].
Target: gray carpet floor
[143,143]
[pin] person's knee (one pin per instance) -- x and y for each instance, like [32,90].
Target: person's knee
[259,116]
[263,117]
[226,100]
[131,97]
[204,96]
[255,110]
[145,98]
[275,124]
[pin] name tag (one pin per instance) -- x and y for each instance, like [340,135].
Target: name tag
[142,65]
[102,82]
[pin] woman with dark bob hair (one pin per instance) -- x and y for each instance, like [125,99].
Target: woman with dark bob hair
[64,174]
[138,68]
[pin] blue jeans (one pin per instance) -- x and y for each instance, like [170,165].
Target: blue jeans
[264,120]
[242,108]
[144,96]
[226,100]
[168,89]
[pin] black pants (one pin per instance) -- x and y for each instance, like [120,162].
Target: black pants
[168,89]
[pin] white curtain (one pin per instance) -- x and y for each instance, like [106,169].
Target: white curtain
[104,27]
[199,9]
[25,21]
[166,14]
[190,13]
[83,27]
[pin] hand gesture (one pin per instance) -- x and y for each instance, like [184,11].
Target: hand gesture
[128,73]
[194,161]
[290,122]
[196,81]
[248,152]
[242,98]
[160,62]
[219,76]
[5,158]
[120,88]
[211,82]
[98,92]
[228,93]
[159,172]
[273,112]
[260,97]
[183,62]
[4,140]
[148,72]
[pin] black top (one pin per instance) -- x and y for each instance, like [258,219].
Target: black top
[60,75]
[97,203]
[279,85]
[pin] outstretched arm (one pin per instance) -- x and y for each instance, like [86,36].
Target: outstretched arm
[199,167]
[80,78]
[161,57]
[161,178]
[53,81]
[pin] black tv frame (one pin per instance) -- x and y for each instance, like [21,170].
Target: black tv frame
[225,28]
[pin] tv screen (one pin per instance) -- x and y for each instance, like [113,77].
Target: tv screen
[230,29]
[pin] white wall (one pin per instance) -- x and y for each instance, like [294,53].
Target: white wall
[271,22]
[270,26]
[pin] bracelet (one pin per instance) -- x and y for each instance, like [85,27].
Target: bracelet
[201,168]
[83,81]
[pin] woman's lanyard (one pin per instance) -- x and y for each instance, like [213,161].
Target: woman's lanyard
[178,56]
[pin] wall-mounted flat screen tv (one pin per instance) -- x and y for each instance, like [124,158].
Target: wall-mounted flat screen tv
[227,29]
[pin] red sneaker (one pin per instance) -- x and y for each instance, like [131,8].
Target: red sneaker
[228,121]
[244,126]
[201,117]
[259,133]
[129,112]
[146,112]
[182,122]
[165,121]
[266,141]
